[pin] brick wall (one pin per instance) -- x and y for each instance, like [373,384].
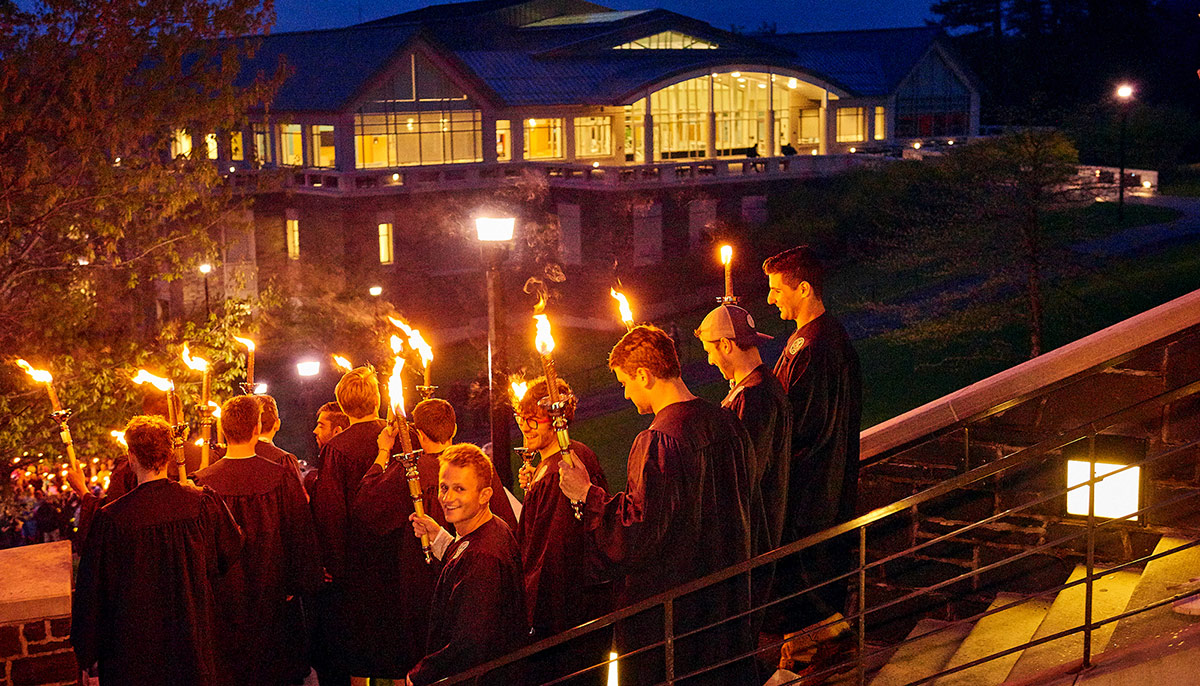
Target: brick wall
[1152,370]
[37,653]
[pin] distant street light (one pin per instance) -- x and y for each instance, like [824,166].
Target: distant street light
[1124,95]
[308,368]
[205,269]
[375,291]
[495,234]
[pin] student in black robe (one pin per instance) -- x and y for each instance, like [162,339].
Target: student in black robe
[344,461]
[820,371]
[685,514]
[143,606]
[260,621]
[331,421]
[266,448]
[563,586]
[478,609]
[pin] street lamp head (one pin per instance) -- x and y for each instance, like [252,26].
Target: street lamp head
[1124,91]
[308,368]
[495,229]
[375,291]
[205,268]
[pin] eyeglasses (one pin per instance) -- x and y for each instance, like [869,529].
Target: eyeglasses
[531,422]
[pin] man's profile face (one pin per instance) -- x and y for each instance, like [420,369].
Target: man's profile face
[460,493]
[786,298]
[325,429]
[636,392]
[718,357]
[536,429]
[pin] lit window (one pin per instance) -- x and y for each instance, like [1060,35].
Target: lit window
[181,144]
[503,140]
[543,139]
[262,145]
[293,239]
[322,146]
[810,126]
[210,145]
[417,138]
[385,243]
[851,126]
[235,147]
[668,40]
[593,137]
[1116,495]
[880,124]
[291,146]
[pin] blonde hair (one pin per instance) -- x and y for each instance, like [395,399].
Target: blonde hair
[358,393]
[469,456]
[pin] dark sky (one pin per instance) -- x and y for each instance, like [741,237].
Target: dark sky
[788,15]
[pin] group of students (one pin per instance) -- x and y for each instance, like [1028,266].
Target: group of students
[253,575]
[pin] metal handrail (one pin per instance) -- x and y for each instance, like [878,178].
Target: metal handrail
[1018,458]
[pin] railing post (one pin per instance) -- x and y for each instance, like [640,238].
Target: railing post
[861,668]
[669,641]
[1091,553]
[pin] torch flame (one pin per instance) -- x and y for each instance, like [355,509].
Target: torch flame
[726,254]
[396,387]
[216,409]
[519,387]
[545,340]
[246,342]
[158,382]
[120,436]
[343,363]
[415,341]
[199,442]
[396,344]
[39,375]
[196,363]
[623,303]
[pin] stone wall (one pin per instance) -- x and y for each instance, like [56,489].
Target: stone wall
[37,653]
[1034,489]
[35,616]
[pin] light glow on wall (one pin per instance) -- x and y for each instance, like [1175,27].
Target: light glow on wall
[1116,496]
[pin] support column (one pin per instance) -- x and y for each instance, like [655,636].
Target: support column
[648,134]
[487,135]
[569,139]
[711,144]
[343,144]
[772,143]
[517,129]
[825,122]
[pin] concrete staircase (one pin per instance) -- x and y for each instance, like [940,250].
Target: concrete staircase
[1122,651]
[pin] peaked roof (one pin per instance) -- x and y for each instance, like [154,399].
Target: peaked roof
[872,62]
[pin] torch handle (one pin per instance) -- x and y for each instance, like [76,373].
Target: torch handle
[54,404]
[405,437]
[205,437]
[414,490]
[65,434]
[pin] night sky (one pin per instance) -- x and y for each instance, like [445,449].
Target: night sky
[788,15]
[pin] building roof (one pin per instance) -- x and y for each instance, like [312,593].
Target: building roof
[559,52]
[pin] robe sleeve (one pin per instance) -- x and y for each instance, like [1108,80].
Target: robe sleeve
[300,540]
[475,606]
[88,505]
[226,541]
[329,511]
[382,495]
[629,527]
[89,595]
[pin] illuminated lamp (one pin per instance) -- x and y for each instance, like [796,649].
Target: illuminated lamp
[308,368]
[1118,495]
[375,291]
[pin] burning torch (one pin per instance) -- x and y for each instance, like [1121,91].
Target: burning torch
[417,342]
[519,387]
[200,364]
[58,415]
[178,428]
[727,261]
[248,387]
[623,305]
[557,406]
[398,419]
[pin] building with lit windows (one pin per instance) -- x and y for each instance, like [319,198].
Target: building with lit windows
[644,122]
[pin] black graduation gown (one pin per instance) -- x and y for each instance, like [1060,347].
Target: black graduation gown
[121,481]
[478,610]
[261,631]
[269,451]
[685,514]
[144,601]
[820,371]
[390,584]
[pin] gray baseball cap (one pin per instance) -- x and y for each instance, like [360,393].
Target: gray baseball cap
[732,322]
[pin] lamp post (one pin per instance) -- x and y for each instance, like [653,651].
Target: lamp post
[495,234]
[205,269]
[1124,93]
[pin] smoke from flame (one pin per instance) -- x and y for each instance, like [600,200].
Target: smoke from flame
[545,339]
[39,375]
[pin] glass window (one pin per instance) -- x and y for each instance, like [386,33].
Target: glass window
[385,243]
[593,137]
[322,146]
[293,239]
[851,126]
[880,124]
[236,153]
[810,126]
[543,139]
[667,40]
[503,140]
[210,145]
[291,147]
[181,144]
[262,145]
[933,101]
[413,138]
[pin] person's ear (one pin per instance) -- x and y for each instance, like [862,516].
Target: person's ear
[485,495]
[454,433]
[421,435]
[644,378]
[725,345]
[805,289]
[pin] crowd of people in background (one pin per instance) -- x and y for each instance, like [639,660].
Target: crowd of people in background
[414,566]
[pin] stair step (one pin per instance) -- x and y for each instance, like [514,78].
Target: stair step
[1110,596]
[924,656]
[1161,579]
[993,634]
